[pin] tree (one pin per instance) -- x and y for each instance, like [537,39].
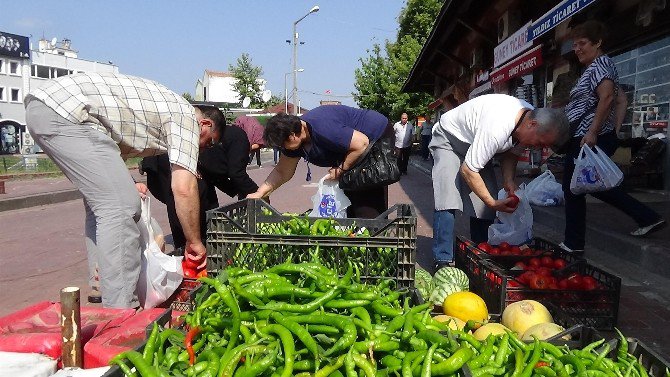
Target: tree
[382,74]
[247,80]
[187,96]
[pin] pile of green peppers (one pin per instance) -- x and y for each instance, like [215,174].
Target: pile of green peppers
[306,320]
[372,262]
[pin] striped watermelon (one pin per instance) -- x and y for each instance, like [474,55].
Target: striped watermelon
[451,275]
[423,282]
[441,292]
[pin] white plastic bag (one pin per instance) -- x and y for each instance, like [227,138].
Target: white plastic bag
[594,172]
[329,200]
[544,190]
[514,228]
[160,274]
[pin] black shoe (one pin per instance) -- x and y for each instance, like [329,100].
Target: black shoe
[566,249]
[440,264]
[644,230]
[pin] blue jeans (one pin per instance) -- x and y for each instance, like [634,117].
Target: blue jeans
[443,234]
[575,205]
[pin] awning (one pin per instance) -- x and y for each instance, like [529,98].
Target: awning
[520,66]
[435,104]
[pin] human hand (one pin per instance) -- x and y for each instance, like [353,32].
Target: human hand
[504,205]
[142,189]
[196,251]
[335,173]
[589,139]
[255,195]
[510,187]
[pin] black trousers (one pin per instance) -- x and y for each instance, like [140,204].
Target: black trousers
[403,158]
[257,152]
[575,205]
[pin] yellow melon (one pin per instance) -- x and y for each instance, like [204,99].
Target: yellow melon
[453,322]
[522,315]
[490,328]
[466,306]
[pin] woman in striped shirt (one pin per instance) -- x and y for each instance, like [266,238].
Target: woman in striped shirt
[596,109]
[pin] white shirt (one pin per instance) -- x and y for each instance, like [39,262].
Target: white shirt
[403,134]
[485,122]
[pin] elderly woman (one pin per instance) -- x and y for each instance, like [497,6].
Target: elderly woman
[597,105]
[334,136]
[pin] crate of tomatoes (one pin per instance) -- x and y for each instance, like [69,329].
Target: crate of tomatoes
[582,293]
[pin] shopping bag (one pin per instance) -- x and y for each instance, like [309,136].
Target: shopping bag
[594,172]
[544,190]
[160,274]
[515,228]
[329,200]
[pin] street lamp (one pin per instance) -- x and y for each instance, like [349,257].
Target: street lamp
[286,91]
[295,58]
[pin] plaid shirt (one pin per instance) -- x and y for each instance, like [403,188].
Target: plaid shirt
[143,117]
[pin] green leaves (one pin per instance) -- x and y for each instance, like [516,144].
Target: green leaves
[248,81]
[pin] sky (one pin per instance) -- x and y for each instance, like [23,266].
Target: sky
[173,42]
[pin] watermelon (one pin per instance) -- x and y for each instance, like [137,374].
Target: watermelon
[442,291]
[423,282]
[451,275]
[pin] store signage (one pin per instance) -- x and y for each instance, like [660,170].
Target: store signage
[512,46]
[482,76]
[14,45]
[658,124]
[555,16]
[520,66]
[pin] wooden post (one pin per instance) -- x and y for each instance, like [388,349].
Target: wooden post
[71,327]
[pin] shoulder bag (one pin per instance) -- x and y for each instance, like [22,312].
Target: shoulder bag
[378,166]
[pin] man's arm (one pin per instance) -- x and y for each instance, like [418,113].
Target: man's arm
[187,204]
[476,183]
[508,166]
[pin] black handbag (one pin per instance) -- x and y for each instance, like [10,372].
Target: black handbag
[377,167]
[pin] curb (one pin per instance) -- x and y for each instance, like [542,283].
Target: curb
[39,200]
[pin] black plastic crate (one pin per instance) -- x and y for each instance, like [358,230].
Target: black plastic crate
[656,365]
[235,237]
[597,308]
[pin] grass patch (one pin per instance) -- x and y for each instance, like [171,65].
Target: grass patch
[15,165]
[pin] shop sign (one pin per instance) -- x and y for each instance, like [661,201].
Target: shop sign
[480,89]
[658,124]
[481,77]
[14,45]
[512,46]
[555,16]
[522,65]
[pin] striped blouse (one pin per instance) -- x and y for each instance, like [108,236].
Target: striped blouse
[584,98]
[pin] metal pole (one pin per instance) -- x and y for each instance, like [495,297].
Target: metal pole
[295,67]
[286,93]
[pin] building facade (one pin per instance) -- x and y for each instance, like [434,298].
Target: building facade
[524,49]
[23,69]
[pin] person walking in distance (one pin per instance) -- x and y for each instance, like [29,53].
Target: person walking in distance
[426,134]
[403,131]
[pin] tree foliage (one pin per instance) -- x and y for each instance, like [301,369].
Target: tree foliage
[248,81]
[187,96]
[382,74]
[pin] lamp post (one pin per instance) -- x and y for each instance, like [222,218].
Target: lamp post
[295,58]
[286,91]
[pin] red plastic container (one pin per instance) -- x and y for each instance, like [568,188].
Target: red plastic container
[37,327]
[129,335]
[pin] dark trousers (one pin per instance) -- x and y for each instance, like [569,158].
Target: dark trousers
[575,205]
[425,141]
[367,204]
[257,152]
[275,154]
[403,158]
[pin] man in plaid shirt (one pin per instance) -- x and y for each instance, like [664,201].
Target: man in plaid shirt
[89,123]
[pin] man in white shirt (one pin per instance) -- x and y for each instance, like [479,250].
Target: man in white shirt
[404,131]
[463,144]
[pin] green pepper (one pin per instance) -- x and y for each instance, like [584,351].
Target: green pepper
[484,355]
[366,366]
[503,351]
[257,368]
[535,357]
[150,346]
[453,363]
[118,360]
[302,334]
[143,368]
[428,362]
[328,370]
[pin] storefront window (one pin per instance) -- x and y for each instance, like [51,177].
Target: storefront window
[645,77]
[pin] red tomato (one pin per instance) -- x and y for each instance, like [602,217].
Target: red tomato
[559,263]
[513,284]
[187,263]
[514,200]
[552,285]
[525,277]
[535,262]
[563,284]
[544,271]
[484,246]
[575,281]
[589,283]
[539,282]
[202,274]
[516,250]
[190,273]
[547,261]
[541,364]
[506,252]
[494,251]
[504,246]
